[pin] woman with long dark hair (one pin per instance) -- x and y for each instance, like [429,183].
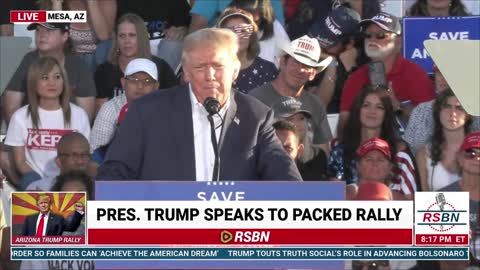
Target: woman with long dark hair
[372,116]
[436,161]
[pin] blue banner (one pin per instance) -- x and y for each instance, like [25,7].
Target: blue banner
[223,190]
[235,254]
[418,29]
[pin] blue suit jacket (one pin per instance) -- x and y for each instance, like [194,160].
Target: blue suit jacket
[155,141]
[56,224]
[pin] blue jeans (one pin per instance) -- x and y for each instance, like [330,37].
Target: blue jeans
[93,60]
[103,51]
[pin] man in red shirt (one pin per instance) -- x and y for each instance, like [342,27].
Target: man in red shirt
[409,83]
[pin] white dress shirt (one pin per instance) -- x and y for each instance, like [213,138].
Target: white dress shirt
[45,222]
[204,155]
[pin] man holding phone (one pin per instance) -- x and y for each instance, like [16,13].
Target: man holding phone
[409,84]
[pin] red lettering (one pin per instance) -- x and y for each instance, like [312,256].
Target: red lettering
[428,217]
[306,46]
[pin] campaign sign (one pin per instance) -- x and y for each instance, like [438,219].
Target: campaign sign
[220,191]
[442,218]
[418,29]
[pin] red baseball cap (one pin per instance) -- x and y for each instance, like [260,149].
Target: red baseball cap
[374,144]
[472,140]
[122,114]
[373,191]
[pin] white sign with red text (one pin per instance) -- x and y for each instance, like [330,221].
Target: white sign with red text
[45,139]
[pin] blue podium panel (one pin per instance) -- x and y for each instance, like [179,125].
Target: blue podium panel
[222,190]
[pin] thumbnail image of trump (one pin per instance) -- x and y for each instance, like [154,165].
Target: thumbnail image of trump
[47,223]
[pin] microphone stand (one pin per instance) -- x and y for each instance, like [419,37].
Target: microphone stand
[213,107]
[213,136]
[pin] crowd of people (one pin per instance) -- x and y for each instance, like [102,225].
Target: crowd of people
[124,96]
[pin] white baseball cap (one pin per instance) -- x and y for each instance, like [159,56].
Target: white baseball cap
[142,65]
[307,51]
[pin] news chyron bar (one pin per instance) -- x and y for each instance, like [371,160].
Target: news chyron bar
[238,224]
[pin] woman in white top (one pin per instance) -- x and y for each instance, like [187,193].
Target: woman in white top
[436,162]
[36,128]
[271,34]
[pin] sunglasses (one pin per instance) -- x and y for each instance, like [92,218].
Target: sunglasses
[243,31]
[471,154]
[379,36]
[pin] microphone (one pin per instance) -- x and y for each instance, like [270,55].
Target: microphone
[440,198]
[212,106]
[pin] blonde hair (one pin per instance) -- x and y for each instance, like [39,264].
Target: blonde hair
[143,41]
[210,38]
[43,196]
[37,69]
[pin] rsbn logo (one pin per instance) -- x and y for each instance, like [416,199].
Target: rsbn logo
[441,216]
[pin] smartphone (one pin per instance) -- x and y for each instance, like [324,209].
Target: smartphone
[376,74]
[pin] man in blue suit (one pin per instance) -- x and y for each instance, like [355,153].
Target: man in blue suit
[166,135]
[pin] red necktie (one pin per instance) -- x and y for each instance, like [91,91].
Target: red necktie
[40,226]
